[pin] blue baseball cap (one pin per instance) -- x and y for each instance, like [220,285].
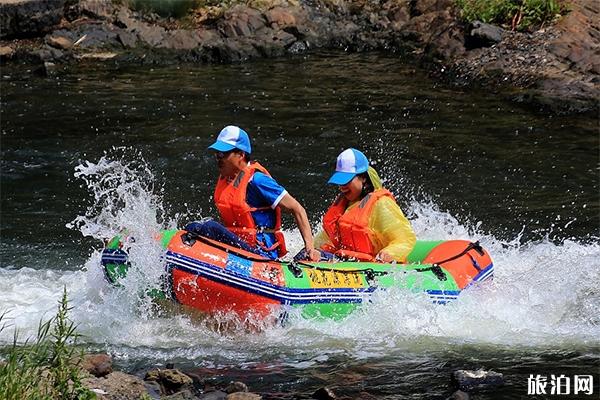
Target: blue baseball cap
[232,137]
[350,162]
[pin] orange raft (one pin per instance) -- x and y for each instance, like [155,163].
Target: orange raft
[214,278]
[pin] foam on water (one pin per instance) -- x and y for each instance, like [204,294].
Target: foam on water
[542,294]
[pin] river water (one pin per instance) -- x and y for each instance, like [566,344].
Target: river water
[98,148]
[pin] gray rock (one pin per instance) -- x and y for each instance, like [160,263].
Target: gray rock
[180,40]
[151,34]
[100,9]
[127,39]
[123,18]
[213,395]
[243,396]
[24,18]
[46,53]
[484,35]
[93,36]
[183,395]
[117,385]
[153,389]
[473,380]
[459,395]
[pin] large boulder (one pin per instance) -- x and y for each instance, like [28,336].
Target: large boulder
[29,18]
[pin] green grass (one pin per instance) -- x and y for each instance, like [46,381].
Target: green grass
[44,368]
[513,14]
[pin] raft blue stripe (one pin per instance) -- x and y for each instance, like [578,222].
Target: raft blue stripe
[484,274]
[283,294]
[247,279]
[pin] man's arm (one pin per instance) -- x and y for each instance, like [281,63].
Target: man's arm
[291,205]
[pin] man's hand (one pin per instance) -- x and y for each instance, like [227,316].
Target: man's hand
[313,254]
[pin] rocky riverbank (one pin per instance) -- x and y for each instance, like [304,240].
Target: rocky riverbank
[172,384]
[558,66]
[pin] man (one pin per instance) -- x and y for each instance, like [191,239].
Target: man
[250,201]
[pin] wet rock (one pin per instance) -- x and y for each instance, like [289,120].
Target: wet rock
[213,395]
[98,365]
[46,69]
[59,42]
[46,54]
[324,393]
[459,395]
[26,18]
[153,389]
[483,35]
[243,396]
[116,386]
[94,36]
[472,380]
[367,396]
[170,380]
[235,387]
[298,47]
[284,38]
[183,395]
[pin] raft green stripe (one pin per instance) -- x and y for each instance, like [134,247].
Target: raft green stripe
[421,249]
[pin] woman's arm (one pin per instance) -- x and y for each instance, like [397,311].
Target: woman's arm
[397,236]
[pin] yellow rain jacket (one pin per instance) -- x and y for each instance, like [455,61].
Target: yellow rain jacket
[393,232]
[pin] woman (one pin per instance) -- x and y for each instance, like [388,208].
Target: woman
[364,222]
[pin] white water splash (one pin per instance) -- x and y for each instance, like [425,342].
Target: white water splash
[543,293]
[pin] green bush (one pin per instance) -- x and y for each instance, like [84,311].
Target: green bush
[44,369]
[515,14]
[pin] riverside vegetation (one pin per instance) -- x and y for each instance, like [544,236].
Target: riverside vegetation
[48,366]
[523,15]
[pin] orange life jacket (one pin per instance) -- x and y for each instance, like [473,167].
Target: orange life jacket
[349,231]
[236,213]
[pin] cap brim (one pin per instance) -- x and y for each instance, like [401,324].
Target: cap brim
[221,146]
[341,178]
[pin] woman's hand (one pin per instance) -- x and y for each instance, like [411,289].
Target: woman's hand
[383,257]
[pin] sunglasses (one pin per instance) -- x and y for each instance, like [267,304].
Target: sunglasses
[222,154]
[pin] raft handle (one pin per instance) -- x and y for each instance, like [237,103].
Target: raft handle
[188,239]
[295,269]
[435,270]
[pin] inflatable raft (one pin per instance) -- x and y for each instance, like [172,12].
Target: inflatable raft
[213,277]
